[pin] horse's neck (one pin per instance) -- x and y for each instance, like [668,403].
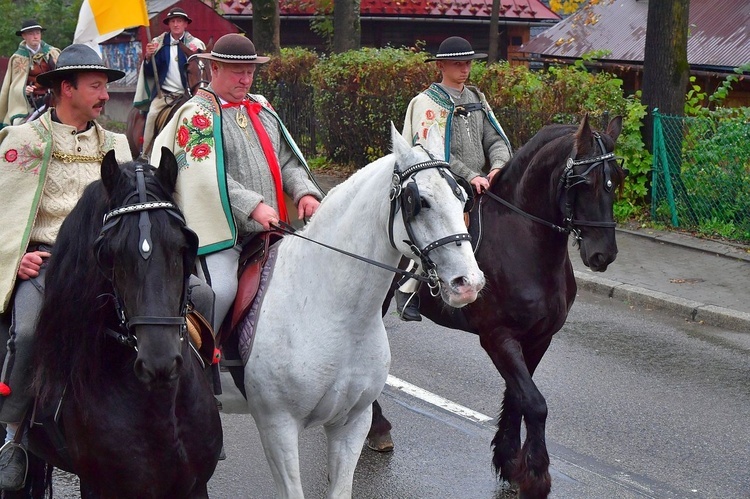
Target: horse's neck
[353,217]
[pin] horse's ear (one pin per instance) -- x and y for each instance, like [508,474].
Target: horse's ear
[210,44]
[110,171]
[398,143]
[615,127]
[435,143]
[583,136]
[166,174]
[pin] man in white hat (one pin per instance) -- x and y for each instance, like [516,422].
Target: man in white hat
[237,159]
[476,146]
[46,165]
[21,94]
[165,56]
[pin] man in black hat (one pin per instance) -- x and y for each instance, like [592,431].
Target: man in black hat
[476,146]
[20,94]
[46,163]
[237,159]
[166,57]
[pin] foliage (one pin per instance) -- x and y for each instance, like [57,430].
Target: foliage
[321,22]
[525,100]
[638,162]
[59,18]
[359,93]
[716,173]
[285,82]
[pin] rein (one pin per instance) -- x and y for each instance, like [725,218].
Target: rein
[399,200]
[143,207]
[568,180]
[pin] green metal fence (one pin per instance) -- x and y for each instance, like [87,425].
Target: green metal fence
[701,175]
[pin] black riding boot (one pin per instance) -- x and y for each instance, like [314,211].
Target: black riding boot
[407,305]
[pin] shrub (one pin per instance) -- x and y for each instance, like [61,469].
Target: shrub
[359,93]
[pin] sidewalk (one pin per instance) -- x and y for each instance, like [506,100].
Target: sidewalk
[698,279]
[695,278]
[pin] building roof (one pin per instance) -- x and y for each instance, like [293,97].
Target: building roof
[719,33]
[520,10]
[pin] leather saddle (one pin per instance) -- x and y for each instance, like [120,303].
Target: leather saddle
[252,260]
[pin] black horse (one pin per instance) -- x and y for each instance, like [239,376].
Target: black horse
[563,181]
[135,412]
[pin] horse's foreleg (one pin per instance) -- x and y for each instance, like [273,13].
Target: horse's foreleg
[279,435]
[379,437]
[530,469]
[507,441]
[344,447]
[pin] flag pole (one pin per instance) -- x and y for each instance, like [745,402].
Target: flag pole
[153,63]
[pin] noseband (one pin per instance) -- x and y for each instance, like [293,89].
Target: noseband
[406,198]
[145,247]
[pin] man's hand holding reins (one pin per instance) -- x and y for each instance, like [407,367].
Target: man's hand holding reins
[480,183]
[31,262]
[307,206]
[265,215]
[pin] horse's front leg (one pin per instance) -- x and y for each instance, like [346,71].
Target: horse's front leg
[279,434]
[529,470]
[379,437]
[344,448]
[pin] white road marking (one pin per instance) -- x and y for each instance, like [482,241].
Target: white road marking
[436,400]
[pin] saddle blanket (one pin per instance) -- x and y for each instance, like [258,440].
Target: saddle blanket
[246,328]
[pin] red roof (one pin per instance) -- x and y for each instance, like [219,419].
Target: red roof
[523,10]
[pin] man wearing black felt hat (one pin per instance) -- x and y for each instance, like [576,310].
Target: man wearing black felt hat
[21,95]
[476,147]
[165,57]
[46,165]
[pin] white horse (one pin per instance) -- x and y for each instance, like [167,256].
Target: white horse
[321,354]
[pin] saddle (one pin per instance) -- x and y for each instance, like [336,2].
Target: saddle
[252,259]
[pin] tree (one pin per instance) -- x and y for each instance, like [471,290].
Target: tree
[347,32]
[266,26]
[665,64]
[494,36]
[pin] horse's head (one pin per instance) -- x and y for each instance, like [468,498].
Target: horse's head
[147,253]
[198,71]
[430,228]
[589,183]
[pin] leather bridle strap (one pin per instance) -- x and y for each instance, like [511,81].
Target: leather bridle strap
[288,229]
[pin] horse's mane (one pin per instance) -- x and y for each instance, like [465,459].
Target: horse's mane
[559,137]
[77,300]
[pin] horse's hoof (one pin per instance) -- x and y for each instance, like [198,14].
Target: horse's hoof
[380,443]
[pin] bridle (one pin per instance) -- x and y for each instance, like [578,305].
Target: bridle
[203,82]
[406,198]
[142,207]
[568,180]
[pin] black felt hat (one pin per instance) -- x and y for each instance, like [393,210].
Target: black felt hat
[456,48]
[29,24]
[234,48]
[176,12]
[78,58]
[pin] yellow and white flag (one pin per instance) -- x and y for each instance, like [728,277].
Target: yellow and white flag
[100,20]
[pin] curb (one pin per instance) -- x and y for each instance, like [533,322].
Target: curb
[691,310]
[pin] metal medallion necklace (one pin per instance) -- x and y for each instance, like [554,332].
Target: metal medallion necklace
[241,118]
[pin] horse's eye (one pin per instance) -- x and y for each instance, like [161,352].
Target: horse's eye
[423,203]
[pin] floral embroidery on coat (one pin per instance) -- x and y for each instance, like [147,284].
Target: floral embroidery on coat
[196,136]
